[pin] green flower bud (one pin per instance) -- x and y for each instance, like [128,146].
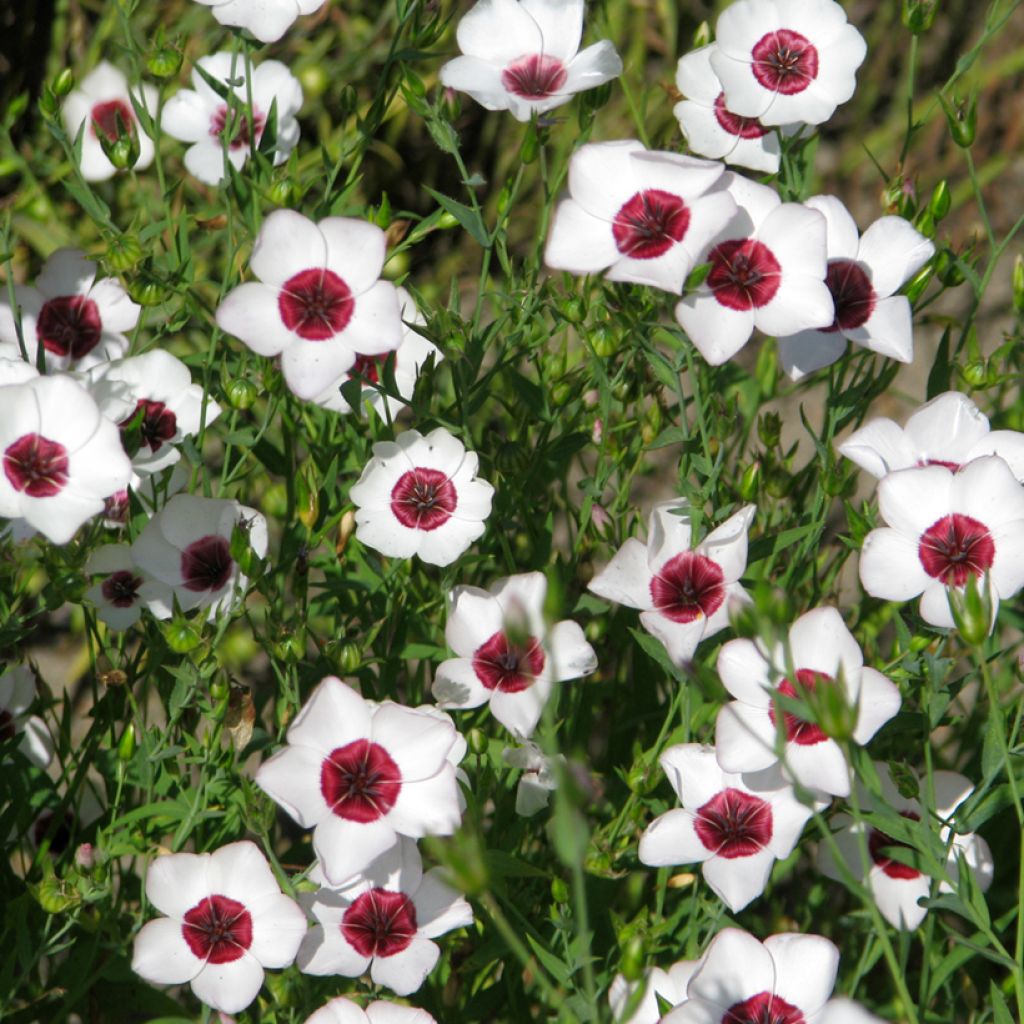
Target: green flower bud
[769,429]
[916,286]
[1018,284]
[604,341]
[181,636]
[350,658]
[530,148]
[123,253]
[561,393]
[962,117]
[972,610]
[54,895]
[632,963]
[476,741]
[314,80]
[164,60]
[941,200]
[241,394]
[126,745]
[63,83]
[559,891]
[975,374]
[147,291]
[284,193]
[919,15]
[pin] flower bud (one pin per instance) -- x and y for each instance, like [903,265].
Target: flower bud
[85,856]
[975,374]
[766,370]
[769,429]
[123,252]
[697,277]
[63,83]
[915,288]
[1018,284]
[941,200]
[346,528]
[925,223]
[350,658]
[54,895]
[284,193]
[530,148]
[919,15]
[181,636]
[126,745]
[164,60]
[972,610]
[702,36]
[314,80]
[307,499]
[900,196]
[750,481]
[604,341]
[559,891]
[476,742]
[147,291]
[632,963]
[962,117]
[241,394]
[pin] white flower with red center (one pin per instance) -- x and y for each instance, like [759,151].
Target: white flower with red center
[319,301]
[710,128]
[508,658]
[736,826]
[643,216]
[949,431]
[103,104]
[60,457]
[383,921]
[125,589]
[226,920]
[537,779]
[421,496]
[203,117]
[785,61]
[187,546]
[406,362]
[895,886]
[17,694]
[343,1011]
[787,979]
[670,985]
[266,20]
[767,271]
[944,527]
[864,274]
[79,321]
[821,652]
[362,774]
[684,591]
[524,56]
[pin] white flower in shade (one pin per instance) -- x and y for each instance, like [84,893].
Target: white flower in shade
[895,886]
[362,774]
[949,431]
[320,302]
[864,274]
[786,979]
[508,658]
[684,591]
[524,56]
[202,117]
[101,100]
[785,61]
[736,826]
[125,589]
[13,369]
[710,128]
[79,321]
[383,922]
[17,693]
[187,545]
[846,1011]
[343,1011]
[421,496]
[670,985]
[944,527]
[60,457]
[226,920]
[406,362]
[767,271]
[643,216]
[537,780]
[266,20]
[821,652]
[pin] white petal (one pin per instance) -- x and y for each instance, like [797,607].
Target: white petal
[879,701]
[578,241]
[278,928]
[439,908]
[456,685]
[252,313]
[738,881]
[161,955]
[744,738]
[745,672]
[176,883]
[717,331]
[671,839]
[333,716]
[843,237]
[913,499]
[287,244]
[735,967]
[570,656]
[805,969]
[890,567]
[626,579]
[880,447]
[894,251]
[499,30]
[406,971]
[803,353]
[897,898]
[417,742]
[888,331]
[346,848]
[229,987]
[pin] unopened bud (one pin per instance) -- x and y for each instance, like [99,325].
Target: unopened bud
[919,282]
[750,481]
[181,636]
[350,657]
[702,36]
[241,394]
[123,252]
[975,374]
[962,117]
[604,341]
[632,963]
[972,610]
[85,856]
[346,528]
[919,15]
[126,746]
[164,60]
[1018,284]
[476,741]
[941,200]
[63,83]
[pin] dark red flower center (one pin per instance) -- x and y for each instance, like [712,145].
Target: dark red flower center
[158,423]
[954,467]
[121,588]
[744,274]
[764,1008]
[688,586]
[955,547]
[509,667]
[734,124]
[206,564]
[380,923]
[69,326]
[360,781]
[878,840]
[535,77]
[316,304]
[852,293]
[36,466]
[798,730]
[784,61]
[105,116]
[650,223]
[218,929]
[423,499]
[734,824]
[235,126]
[368,367]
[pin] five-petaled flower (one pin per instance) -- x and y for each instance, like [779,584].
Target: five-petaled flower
[125,589]
[267,20]
[669,986]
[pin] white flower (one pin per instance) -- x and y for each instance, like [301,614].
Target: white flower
[670,985]
[537,780]
[383,922]
[13,369]
[822,653]
[949,431]
[227,920]
[897,887]
[787,978]
[523,56]
[787,60]
[421,496]
[735,825]
[125,588]
[406,362]
[320,302]
[60,457]
[767,271]
[710,128]
[101,99]
[944,527]
[17,692]
[684,592]
[643,216]
[202,117]
[267,20]
[187,545]
[343,1011]
[864,274]
[507,656]
[846,1011]
[79,321]
[362,774]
